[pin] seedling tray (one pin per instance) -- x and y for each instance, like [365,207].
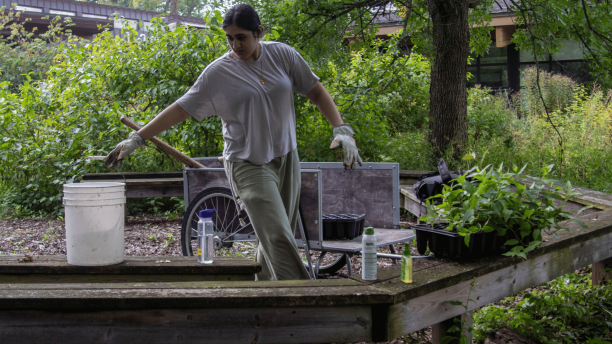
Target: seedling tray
[451,245]
[342,226]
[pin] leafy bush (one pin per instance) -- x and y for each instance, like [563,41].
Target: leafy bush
[26,55]
[380,92]
[500,201]
[585,126]
[567,309]
[51,126]
[488,115]
[557,91]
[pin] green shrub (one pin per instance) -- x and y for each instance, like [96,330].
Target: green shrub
[27,55]
[556,89]
[585,126]
[50,126]
[378,93]
[567,309]
[488,114]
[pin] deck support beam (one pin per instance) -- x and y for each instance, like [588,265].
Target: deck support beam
[599,273]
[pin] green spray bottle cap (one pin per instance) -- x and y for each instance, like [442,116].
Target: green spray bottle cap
[407,250]
[369,231]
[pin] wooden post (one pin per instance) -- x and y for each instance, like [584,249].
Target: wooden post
[439,331]
[599,274]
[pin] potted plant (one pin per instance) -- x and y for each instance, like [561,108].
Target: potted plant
[492,211]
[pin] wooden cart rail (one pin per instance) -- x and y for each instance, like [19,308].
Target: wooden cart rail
[321,311]
[170,184]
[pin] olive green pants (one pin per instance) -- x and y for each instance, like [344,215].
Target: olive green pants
[270,193]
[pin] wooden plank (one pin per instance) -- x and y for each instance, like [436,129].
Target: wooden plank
[142,191]
[411,203]
[151,181]
[236,325]
[545,264]
[188,285]
[599,200]
[132,175]
[215,297]
[116,278]
[412,173]
[131,265]
[442,276]
[394,271]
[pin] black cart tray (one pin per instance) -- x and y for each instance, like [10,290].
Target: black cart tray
[342,226]
[451,245]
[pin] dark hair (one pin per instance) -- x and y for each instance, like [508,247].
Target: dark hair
[244,16]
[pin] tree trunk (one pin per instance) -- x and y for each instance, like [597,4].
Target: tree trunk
[190,8]
[173,6]
[448,93]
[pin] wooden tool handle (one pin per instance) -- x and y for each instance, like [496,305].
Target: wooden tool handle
[164,146]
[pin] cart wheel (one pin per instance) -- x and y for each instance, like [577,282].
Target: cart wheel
[332,262]
[225,219]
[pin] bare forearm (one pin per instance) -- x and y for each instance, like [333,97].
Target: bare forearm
[324,102]
[171,116]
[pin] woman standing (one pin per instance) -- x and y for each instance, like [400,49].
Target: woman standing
[251,89]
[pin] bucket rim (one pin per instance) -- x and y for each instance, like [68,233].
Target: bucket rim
[93,203]
[92,185]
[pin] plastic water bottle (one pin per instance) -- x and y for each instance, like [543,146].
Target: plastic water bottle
[206,251]
[406,274]
[368,255]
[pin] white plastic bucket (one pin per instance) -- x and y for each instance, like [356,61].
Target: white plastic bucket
[95,215]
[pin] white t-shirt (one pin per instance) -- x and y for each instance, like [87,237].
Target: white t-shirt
[258,120]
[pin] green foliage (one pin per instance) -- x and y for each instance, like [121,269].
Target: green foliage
[411,149]
[568,309]
[27,55]
[556,90]
[52,125]
[487,115]
[380,92]
[502,202]
[585,125]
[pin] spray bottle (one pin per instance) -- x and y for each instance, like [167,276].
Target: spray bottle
[368,255]
[406,275]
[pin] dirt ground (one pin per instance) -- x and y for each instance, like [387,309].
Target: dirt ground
[157,236]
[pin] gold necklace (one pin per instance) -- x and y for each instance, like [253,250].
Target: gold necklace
[261,75]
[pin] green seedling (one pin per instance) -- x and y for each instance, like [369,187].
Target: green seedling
[151,237]
[171,240]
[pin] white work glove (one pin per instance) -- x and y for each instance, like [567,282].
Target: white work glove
[343,137]
[123,149]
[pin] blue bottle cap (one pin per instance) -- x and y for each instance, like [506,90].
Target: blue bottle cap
[206,213]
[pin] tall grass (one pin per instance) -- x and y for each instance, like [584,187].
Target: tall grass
[517,131]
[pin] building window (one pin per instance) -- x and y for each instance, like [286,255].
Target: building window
[490,70]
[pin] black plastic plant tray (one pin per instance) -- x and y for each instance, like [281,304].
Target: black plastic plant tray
[450,244]
[342,226]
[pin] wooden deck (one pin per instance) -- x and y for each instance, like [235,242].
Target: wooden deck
[55,269]
[124,307]
[321,311]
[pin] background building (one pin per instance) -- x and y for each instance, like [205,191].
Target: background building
[87,16]
[501,67]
